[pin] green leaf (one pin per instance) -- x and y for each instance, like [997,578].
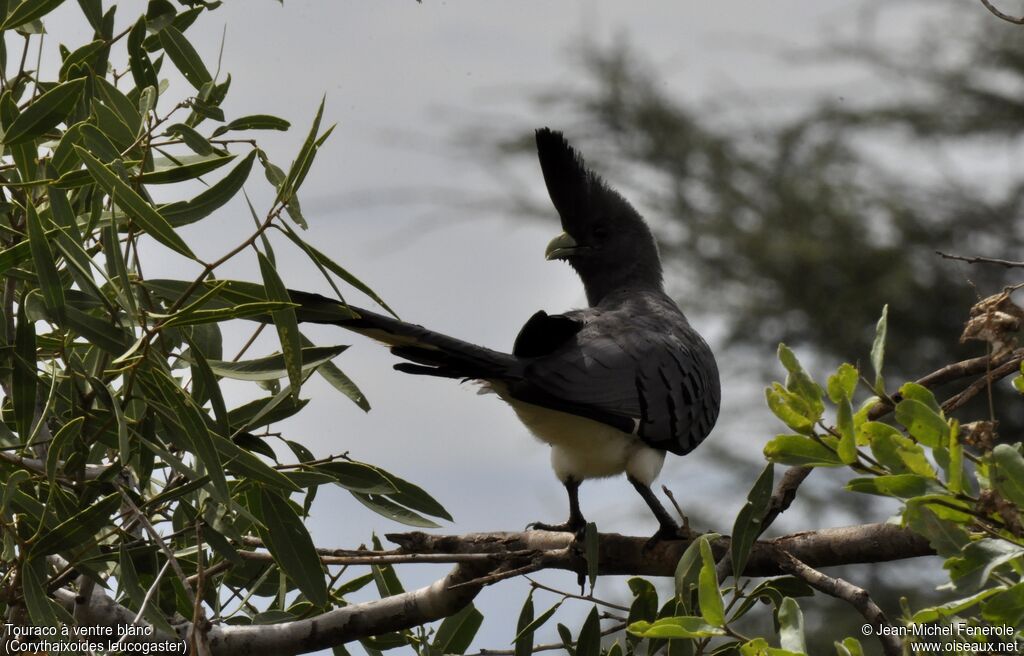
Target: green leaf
[945,536]
[67,434]
[847,450]
[137,208]
[338,380]
[924,424]
[273,367]
[323,260]
[645,600]
[24,378]
[286,323]
[922,394]
[851,646]
[972,569]
[896,452]
[1005,608]
[878,350]
[749,521]
[589,641]
[28,11]
[33,587]
[760,647]
[384,506]
[904,486]
[711,607]
[687,572]
[46,267]
[524,639]
[289,543]
[675,627]
[791,626]
[77,530]
[80,56]
[143,71]
[185,171]
[191,137]
[196,317]
[800,383]
[384,576]
[184,56]
[590,552]
[791,409]
[204,204]
[358,477]
[1008,475]
[843,382]
[45,112]
[253,122]
[532,627]
[457,631]
[800,451]
[954,607]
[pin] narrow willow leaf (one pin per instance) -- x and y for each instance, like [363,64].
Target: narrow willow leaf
[24,379]
[33,587]
[184,172]
[137,208]
[143,71]
[67,434]
[532,627]
[904,486]
[185,212]
[254,122]
[192,139]
[589,641]
[323,260]
[126,110]
[184,56]
[28,11]
[245,310]
[338,380]
[44,113]
[289,543]
[358,477]
[524,639]
[384,506]
[46,268]
[79,56]
[96,331]
[591,546]
[675,627]
[286,323]
[77,530]
[274,367]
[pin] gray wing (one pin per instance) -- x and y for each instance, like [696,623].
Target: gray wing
[656,379]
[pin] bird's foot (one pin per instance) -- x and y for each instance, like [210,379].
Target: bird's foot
[669,531]
[576,528]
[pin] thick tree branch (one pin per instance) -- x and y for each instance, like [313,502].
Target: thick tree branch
[620,554]
[855,596]
[436,601]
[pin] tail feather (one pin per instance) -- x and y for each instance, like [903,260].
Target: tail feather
[431,352]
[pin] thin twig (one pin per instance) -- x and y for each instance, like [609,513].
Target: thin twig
[855,596]
[570,595]
[998,14]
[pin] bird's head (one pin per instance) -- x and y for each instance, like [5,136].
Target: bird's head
[605,240]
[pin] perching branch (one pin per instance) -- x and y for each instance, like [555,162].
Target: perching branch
[984,260]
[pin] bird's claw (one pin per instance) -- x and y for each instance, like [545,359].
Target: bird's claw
[565,527]
[668,532]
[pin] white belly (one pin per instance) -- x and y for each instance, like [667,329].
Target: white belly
[583,448]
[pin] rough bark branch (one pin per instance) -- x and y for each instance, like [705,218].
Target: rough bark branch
[855,596]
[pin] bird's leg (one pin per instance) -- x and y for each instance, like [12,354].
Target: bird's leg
[668,529]
[575,523]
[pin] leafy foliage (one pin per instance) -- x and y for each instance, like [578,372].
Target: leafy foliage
[119,456]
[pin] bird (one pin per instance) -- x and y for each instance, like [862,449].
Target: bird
[612,387]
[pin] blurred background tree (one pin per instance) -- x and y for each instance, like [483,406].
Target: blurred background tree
[794,216]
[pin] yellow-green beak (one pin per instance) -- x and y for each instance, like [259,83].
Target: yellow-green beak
[561,247]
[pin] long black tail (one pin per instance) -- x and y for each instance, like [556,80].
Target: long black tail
[429,353]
